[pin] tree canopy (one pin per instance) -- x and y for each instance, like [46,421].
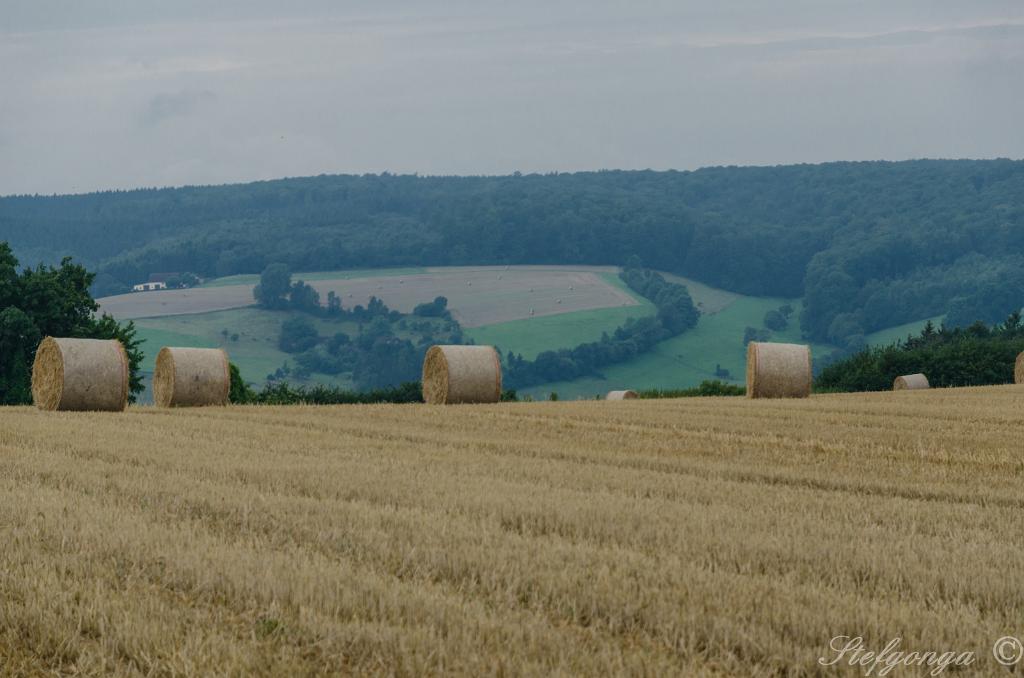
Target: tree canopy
[49,301]
[977,355]
[867,244]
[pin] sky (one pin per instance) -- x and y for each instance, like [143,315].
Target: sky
[110,94]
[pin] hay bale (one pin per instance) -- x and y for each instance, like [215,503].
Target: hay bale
[778,370]
[621,395]
[461,374]
[910,382]
[1018,369]
[191,377]
[80,375]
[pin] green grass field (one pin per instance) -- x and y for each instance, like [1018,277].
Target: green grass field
[155,338]
[708,299]
[690,358]
[532,336]
[891,334]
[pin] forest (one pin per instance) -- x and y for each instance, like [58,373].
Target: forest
[867,245]
[976,355]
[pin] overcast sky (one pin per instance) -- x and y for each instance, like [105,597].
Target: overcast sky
[125,93]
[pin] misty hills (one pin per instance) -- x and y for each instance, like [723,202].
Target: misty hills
[866,244]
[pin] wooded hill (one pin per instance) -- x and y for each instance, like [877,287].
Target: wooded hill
[867,245]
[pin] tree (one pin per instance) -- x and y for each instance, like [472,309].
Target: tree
[303,297]
[106,285]
[182,280]
[438,308]
[333,304]
[239,392]
[754,334]
[775,320]
[19,338]
[297,334]
[106,327]
[275,284]
[52,301]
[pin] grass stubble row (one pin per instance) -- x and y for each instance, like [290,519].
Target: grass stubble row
[711,536]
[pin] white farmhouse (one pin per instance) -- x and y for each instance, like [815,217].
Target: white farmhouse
[149,286]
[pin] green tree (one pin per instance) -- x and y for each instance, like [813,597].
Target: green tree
[274,286]
[19,338]
[775,321]
[303,297]
[50,301]
[240,392]
[297,334]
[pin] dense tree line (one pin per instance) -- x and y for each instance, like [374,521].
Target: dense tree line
[283,393]
[868,244]
[675,314]
[50,301]
[949,356]
[706,388]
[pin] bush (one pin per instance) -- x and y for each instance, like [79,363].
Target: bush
[706,388]
[438,308]
[240,392]
[775,320]
[754,334]
[282,393]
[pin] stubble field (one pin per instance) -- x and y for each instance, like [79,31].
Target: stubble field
[709,536]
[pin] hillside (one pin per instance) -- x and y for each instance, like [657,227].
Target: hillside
[865,245]
[493,295]
[701,536]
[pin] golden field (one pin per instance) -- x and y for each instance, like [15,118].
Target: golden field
[711,536]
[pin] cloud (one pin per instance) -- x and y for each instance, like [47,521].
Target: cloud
[184,103]
[146,94]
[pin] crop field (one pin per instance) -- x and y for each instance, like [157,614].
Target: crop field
[710,536]
[176,302]
[476,295]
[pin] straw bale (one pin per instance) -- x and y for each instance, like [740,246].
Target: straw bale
[80,375]
[191,377]
[778,370]
[910,382]
[461,374]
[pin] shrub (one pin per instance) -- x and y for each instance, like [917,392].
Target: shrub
[706,388]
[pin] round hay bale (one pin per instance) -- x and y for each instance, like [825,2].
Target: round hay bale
[621,395]
[191,377]
[778,370]
[910,382]
[461,374]
[1018,369]
[80,375]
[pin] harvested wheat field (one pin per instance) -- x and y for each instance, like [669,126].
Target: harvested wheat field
[703,536]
